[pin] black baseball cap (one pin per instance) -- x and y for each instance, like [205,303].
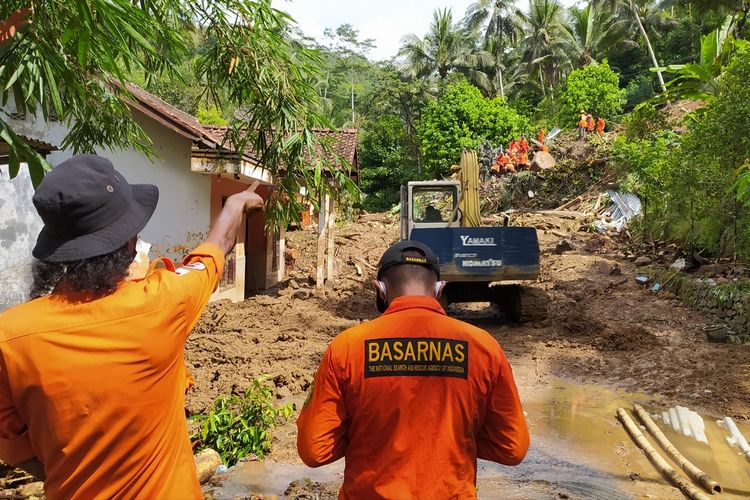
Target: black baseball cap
[394,256]
[89,209]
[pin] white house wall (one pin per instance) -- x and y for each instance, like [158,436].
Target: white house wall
[179,223]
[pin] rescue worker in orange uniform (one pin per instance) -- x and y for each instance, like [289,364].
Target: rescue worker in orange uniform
[412,398]
[600,126]
[590,124]
[541,136]
[92,375]
[523,153]
[582,125]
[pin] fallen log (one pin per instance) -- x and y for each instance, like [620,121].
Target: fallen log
[659,463]
[691,470]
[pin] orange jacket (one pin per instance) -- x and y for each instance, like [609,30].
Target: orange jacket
[590,123]
[600,125]
[412,399]
[96,390]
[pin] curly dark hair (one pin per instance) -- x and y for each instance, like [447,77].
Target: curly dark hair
[92,278]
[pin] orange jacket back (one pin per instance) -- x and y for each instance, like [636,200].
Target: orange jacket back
[412,399]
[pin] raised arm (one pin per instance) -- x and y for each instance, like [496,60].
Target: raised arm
[223,232]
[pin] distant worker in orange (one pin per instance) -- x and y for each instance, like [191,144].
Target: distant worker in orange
[590,123]
[92,375]
[600,126]
[541,136]
[413,398]
[508,164]
[582,124]
[523,144]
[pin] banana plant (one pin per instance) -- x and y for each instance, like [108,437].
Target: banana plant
[700,80]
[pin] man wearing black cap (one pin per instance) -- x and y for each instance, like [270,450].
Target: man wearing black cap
[413,398]
[92,376]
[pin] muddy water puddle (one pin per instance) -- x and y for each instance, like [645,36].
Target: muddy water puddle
[578,450]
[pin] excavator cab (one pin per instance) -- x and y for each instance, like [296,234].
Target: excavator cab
[429,204]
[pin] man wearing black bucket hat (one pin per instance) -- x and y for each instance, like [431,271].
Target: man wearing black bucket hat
[412,398]
[92,376]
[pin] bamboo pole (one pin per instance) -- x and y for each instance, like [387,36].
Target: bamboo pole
[691,470]
[322,229]
[330,234]
[659,463]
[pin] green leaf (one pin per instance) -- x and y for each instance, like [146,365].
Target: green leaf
[84,42]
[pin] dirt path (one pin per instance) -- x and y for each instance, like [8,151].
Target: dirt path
[600,328]
[607,341]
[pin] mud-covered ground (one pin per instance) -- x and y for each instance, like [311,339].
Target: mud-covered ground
[602,327]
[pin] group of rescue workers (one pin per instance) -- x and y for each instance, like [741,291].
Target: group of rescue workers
[516,157]
[93,376]
[587,125]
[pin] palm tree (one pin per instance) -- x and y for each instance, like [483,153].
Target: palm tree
[596,31]
[544,47]
[446,47]
[644,16]
[502,27]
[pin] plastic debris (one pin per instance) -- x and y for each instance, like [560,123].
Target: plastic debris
[222,469]
[687,422]
[656,287]
[624,207]
[679,265]
[735,438]
[642,280]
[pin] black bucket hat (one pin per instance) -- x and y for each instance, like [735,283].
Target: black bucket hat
[89,209]
[394,256]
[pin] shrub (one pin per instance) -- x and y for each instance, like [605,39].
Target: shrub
[594,89]
[645,122]
[237,426]
[462,118]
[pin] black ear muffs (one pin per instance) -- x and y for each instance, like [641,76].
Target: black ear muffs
[380,302]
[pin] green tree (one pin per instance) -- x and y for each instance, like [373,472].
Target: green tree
[595,32]
[386,162]
[76,55]
[463,118]
[545,43]
[502,27]
[448,46]
[595,89]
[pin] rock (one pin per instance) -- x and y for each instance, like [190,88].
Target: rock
[293,284]
[643,261]
[609,268]
[206,462]
[31,490]
[283,392]
[301,294]
[542,161]
[564,246]
[679,265]
[712,269]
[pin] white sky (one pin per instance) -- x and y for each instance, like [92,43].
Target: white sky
[387,21]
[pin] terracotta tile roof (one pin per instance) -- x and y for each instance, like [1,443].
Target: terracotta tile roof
[210,138]
[175,119]
[343,141]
